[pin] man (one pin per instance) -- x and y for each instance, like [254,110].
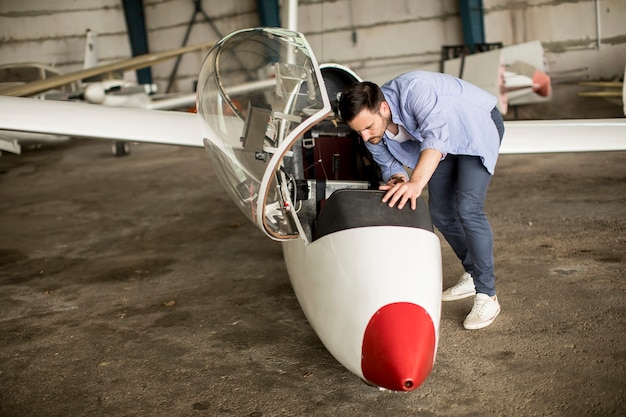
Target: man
[448,132]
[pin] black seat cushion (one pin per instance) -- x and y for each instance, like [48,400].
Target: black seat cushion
[350,208]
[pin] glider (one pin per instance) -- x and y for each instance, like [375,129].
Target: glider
[265,115]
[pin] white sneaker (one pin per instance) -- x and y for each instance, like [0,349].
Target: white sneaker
[463,289]
[484,312]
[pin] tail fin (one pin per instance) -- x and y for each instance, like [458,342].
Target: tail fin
[516,74]
[91,54]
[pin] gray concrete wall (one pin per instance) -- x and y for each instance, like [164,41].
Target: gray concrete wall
[582,41]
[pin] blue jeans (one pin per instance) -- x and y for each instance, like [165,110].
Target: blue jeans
[456,199]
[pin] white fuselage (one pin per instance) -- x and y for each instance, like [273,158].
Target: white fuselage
[344,280]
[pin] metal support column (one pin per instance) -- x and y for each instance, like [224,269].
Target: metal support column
[269,13]
[137,34]
[472,19]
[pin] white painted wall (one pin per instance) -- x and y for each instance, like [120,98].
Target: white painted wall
[168,20]
[568,31]
[53,32]
[398,35]
[392,36]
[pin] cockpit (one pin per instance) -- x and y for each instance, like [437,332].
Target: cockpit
[271,130]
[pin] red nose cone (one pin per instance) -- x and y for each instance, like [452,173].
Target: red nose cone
[398,347]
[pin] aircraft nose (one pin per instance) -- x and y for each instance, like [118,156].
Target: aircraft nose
[398,347]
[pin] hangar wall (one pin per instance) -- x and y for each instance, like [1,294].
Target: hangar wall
[397,35]
[53,32]
[583,39]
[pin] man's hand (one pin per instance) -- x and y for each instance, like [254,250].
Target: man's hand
[401,191]
[395,179]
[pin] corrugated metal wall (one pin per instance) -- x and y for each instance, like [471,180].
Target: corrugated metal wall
[583,39]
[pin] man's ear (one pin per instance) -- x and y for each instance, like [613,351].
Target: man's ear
[384,109]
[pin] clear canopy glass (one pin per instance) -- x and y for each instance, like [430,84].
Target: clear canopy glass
[260,90]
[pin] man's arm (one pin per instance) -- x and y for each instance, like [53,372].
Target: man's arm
[399,191]
[390,167]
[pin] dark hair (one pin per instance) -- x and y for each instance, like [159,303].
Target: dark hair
[357,97]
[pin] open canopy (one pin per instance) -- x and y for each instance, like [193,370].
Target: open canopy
[259,91]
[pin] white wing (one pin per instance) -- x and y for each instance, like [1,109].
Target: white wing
[183,129]
[100,122]
[580,135]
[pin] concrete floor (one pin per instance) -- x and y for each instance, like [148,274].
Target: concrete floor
[133,287]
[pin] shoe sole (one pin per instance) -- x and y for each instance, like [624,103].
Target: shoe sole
[482,325]
[454,297]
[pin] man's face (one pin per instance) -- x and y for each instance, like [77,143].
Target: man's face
[370,125]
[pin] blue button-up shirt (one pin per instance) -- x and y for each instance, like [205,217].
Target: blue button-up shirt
[439,112]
